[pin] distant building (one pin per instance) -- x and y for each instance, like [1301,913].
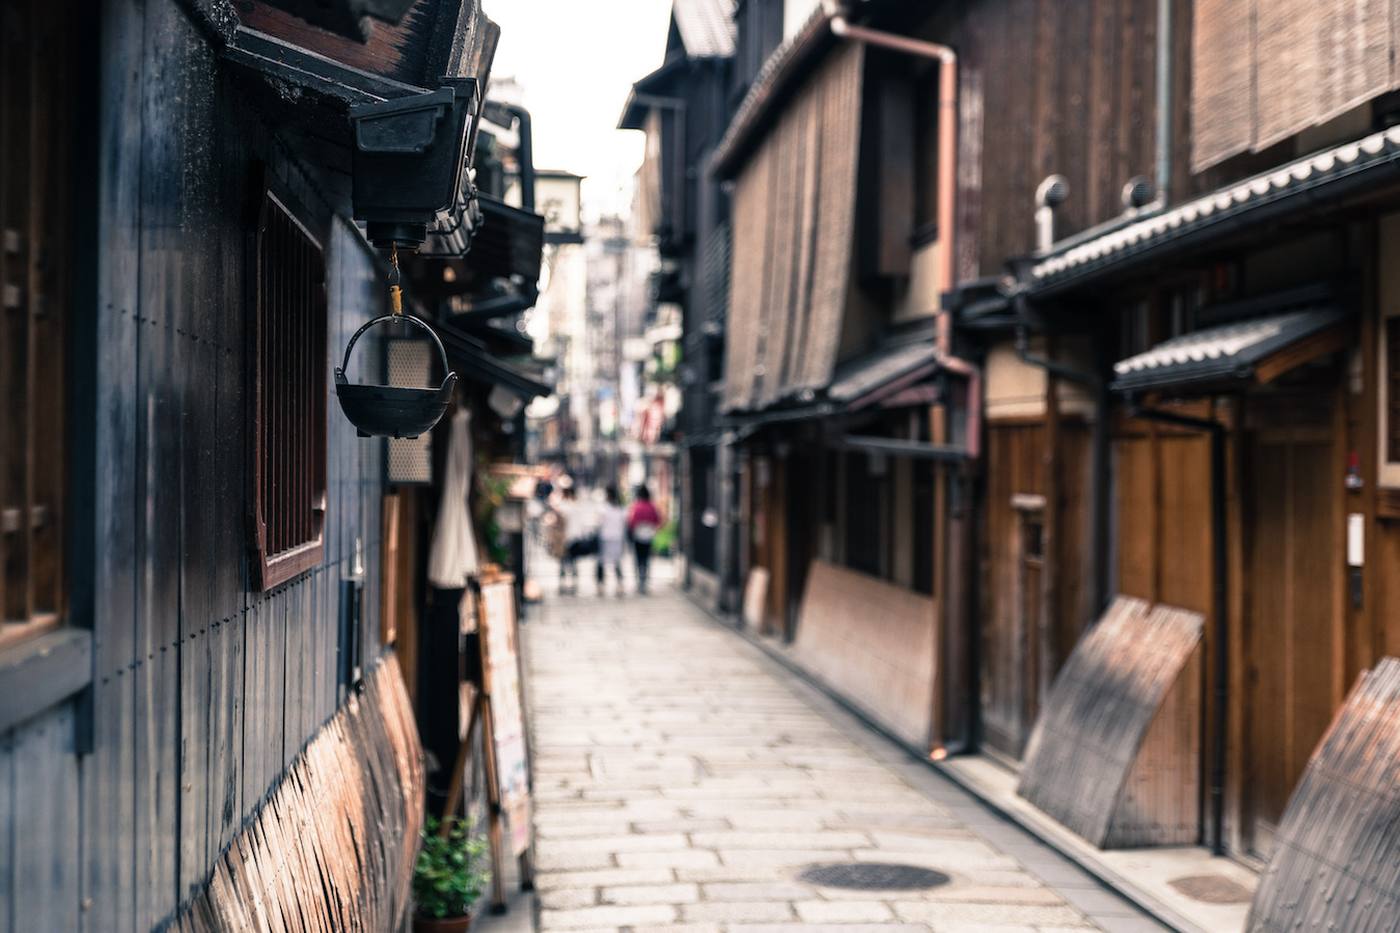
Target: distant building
[683,108]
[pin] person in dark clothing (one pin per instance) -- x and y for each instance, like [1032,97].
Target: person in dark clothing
[643,522]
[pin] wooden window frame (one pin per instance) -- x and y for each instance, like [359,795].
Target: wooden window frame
[37,124]
[275,565]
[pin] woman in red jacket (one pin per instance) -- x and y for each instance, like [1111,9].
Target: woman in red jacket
[643,522]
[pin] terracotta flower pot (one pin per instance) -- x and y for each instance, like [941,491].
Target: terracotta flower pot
[445,925]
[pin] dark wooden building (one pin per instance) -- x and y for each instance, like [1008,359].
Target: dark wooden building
[193,666]
[683,107]
[1184,342]
[1145,338]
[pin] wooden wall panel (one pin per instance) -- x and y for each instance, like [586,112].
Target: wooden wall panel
[1034,110]
[873,642]
[203,691]
[1184,508]
[1016,458]
[1290,682]
[39,810]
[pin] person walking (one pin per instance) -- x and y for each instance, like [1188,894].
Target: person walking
[612,536]
[643,522]
[580,538]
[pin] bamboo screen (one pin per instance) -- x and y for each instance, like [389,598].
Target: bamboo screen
[1262,70]
[794,221]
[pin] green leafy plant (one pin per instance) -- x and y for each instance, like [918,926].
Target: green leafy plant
[665,539]
[493,492]
[450,874]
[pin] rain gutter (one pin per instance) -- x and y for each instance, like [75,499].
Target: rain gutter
[947,59]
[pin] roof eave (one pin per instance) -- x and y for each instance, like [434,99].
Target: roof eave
[788,63]
[1323,190]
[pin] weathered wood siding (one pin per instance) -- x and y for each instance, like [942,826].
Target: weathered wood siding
[874,643]
[1030,626]
[204,691]
[1105,712]
[1028,109]
[1338,849]
[1049,87]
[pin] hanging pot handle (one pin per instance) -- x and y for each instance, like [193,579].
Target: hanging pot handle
[403,318]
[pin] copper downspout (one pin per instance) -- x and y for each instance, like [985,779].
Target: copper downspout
[947,176]
[947,60]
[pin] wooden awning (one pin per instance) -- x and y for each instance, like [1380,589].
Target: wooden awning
[1257,351]
[794,222]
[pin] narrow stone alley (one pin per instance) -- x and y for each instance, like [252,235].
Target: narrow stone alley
[687,781]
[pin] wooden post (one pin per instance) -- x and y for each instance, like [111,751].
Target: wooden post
[495,826]
[459,768]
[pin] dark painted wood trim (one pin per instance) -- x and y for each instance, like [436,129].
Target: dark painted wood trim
[42,672]
[281,61]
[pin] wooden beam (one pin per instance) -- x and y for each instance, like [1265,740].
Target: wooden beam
[43,671]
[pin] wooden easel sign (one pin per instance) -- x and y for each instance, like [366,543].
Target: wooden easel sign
[499,710]
[500,664]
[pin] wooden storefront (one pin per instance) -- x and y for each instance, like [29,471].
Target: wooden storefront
[1034,591]
[214,673]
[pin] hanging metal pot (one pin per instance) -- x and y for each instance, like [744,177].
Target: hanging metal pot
[393,411]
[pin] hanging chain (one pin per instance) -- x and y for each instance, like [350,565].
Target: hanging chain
[395,292]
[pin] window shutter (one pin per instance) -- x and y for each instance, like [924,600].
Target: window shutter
[290,391]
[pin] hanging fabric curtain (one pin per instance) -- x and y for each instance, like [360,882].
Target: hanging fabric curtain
[452,557]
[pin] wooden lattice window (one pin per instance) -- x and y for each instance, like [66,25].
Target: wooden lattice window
[35,271]
[289,471]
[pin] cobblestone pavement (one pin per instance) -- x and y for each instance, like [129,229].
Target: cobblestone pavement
[684,780]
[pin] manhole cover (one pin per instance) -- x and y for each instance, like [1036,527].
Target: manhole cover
[873,876]
[1212,889]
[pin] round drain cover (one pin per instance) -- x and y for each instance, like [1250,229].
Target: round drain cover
[873,876]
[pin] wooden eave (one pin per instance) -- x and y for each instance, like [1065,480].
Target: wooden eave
[292,70]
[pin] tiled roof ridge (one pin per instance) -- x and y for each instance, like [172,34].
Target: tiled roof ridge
[1228,200]
[771,76]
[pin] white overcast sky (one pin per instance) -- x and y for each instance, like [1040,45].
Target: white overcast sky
[575,61]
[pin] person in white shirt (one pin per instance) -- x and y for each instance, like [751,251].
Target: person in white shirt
[580,537]
[612,539]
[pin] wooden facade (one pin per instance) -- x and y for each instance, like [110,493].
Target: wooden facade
[195,715]
[1299,620]
[1264,506]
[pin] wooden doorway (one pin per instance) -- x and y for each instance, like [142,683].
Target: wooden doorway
[1295,591]
[1013,608]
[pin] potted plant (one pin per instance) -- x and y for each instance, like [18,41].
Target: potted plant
[448,878]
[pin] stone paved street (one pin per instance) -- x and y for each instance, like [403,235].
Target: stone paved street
[684,779]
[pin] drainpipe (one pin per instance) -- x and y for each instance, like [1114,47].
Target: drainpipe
[520,117]
[947,60]
[1164,107]
[1220,669]
[946,185]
